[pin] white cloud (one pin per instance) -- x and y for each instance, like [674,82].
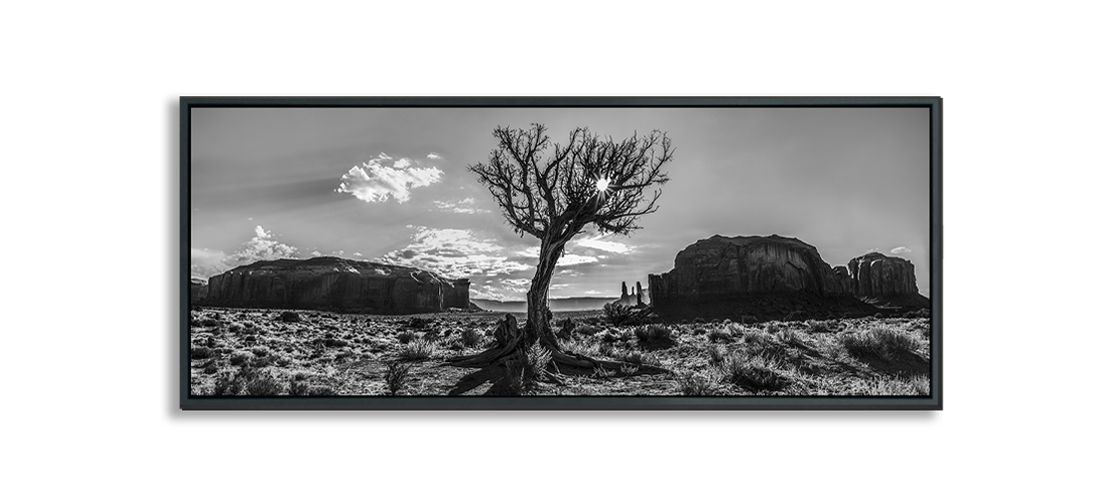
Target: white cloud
[565,260]
[262,247]
[592,291]
[433,155]
[375,181]
[454,253]
[357,254]
[600,243]
[900,250]
[465,206]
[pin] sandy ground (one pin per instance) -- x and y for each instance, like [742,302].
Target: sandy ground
[255,352]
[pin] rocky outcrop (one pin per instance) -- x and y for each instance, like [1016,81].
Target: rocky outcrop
[878,275]
[198,290]
[720,266]
[773,277]
[332,283]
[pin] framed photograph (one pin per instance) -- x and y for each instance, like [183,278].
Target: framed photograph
[561,253]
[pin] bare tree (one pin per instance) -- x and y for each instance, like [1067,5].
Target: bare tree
[553,191]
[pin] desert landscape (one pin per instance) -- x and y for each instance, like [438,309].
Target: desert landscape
[543,280]
[269,352]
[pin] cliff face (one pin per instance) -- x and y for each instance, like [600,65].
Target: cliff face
[877,275]
[198,290]
[333,283]
[721,266]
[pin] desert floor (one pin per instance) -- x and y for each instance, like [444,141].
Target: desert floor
[257,353]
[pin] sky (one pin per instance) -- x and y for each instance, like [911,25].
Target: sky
[390,185]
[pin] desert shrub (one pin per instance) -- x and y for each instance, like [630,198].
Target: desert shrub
[614,336]
[717,356]
[538,358]
[579,347]
[210,367]
[514,379]
[259,351]
[199,353]
[418,323]
[587,330]
[628,369]
[301,375]
[654,336]
[882,342]
[406,337]
[757,337]
[264,385]
[297,387]
[898,386]
[471,337]
[289,317]
[264,361]
[227,384]
[321,390]
[696,384]
[617,314]
[823,326]
[417,350]
[566,328]
[790,336]
[753,373]
[209,322]
[331,342]
[240,358]
[396,376]
[719,335]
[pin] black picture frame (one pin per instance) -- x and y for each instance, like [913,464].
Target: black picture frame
[933,402]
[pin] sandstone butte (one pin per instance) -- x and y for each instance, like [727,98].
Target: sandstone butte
[337,284]
[763,268]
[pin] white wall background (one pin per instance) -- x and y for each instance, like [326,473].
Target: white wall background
[89,210]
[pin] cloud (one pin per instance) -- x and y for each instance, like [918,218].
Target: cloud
[357,254]
[262,247]
[900,250]
[600,243]
[465,206]
[375,181]
[433,155]
[454,253]
[565,260]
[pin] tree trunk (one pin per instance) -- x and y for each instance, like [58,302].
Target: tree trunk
[512,341]
[538,314]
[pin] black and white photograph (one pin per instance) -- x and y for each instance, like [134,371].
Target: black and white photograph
[560,251]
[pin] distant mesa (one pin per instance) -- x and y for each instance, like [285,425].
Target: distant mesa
[779,277]
[333,283]
[877,275]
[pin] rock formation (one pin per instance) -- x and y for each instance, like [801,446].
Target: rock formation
[333,283]
[778,277]
[721,266]
[877,275]
[630,298]
[198,290]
